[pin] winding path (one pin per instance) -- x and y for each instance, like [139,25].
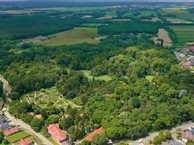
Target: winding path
[6,86]
[27,127]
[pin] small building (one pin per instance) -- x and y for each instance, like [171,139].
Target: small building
[186,64]
[39,116]
[11,131]
[31,113]
[57,134]
[28,141]
[91,136]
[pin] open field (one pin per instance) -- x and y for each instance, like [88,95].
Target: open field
[174,10]
[47,97]
[87,73]
[18,136]
[163,34]
[180,13]
[178,21]
[70,37]
[184,33]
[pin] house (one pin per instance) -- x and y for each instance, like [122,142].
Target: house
[5,126]
[39,116]
[57,134]
[11,131]
[186,64]
[28,141]
[93,134]
[31,113]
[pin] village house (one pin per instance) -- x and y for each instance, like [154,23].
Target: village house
[39,116]
[11,131]
[91,136]
[57,134]
[28,141]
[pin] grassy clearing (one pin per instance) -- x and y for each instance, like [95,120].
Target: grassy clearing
[184,33]
[18,136]
[47,97]
[87,73]
[75,36]
[150,78]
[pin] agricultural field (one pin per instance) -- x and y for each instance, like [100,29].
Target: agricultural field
[70,37]
[178,21]
[18,136]
[163,35]
[184,33]
[47,97]
[181,14]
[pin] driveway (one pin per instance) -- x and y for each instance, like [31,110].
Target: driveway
[27,127]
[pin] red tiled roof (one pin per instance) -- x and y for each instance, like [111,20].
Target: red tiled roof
[93,134]
[39,116]
[192,48]
[56,132]
[11,131]
[28,141]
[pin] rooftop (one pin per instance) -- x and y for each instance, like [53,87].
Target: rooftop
[11,131]
[93,134]
[28,141]
[56,132]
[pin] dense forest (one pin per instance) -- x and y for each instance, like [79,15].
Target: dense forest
[129,106]
[146,89]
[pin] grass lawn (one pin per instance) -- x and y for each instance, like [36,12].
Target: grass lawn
[53,141]
[47,97]
[87,73]
[184,33]
[18,136]
[74,36]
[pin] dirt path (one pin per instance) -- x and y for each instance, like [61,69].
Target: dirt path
[6,86]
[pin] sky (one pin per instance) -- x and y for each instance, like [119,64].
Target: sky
[112,0]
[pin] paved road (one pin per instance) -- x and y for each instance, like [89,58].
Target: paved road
[27,127]
[152,135]
[6,86]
